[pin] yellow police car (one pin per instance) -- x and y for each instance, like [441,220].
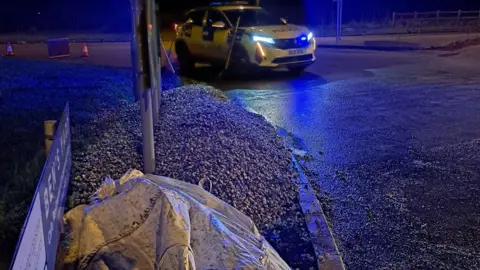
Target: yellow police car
[261,39]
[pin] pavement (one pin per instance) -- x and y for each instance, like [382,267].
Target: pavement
[115,54]
[394,42]
[395,143]
[167,34]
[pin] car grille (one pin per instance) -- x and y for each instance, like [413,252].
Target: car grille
[292,59]
[291,43]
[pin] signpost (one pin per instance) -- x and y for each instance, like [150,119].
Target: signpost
[146,74]
[37,247]
[154,56]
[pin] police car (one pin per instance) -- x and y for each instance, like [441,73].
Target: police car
[261,39]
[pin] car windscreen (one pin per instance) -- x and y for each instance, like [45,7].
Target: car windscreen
[251,17]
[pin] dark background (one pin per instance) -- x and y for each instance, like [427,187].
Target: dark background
[114,15]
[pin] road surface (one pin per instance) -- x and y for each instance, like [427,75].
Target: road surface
[395,138]
[395,141]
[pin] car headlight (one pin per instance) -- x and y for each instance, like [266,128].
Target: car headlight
[263,39]
[310,36]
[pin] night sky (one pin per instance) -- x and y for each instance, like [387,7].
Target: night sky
[113,15]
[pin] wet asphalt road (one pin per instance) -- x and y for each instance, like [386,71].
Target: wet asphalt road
[395,138]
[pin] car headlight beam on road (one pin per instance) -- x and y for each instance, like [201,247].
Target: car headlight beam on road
[264,39]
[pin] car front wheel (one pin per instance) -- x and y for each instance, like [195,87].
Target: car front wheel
[239,60]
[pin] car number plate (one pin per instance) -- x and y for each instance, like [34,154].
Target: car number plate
[296,52]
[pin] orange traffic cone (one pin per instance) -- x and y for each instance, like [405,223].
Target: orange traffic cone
[9,50]
[85,50]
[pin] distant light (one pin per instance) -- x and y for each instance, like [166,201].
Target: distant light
[304,38]
[38,13]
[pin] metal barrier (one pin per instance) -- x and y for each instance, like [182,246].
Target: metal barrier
[452,19]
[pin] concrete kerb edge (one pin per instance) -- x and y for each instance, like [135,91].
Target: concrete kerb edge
[324,244]
[326,250]
[448,54]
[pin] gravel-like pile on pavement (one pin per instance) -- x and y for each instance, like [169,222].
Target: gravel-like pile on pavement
[106,141]
[202,136]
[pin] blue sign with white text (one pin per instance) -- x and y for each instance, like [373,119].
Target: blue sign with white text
[37,248]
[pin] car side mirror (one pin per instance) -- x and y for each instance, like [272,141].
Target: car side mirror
[218,24]
[284,21]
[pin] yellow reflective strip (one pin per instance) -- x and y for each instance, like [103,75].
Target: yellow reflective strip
[259,46]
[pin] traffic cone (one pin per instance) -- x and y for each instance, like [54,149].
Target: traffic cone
[85,50]
[9,50]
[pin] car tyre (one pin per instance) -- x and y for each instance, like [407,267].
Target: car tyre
[239,62]
[185,59]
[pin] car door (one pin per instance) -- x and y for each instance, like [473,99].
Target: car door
[215,37]
[192,32]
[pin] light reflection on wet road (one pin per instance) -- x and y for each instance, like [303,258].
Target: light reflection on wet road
[395,136]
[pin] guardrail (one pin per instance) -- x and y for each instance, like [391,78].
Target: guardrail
[437,18]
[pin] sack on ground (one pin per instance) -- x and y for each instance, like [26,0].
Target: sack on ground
[153,222]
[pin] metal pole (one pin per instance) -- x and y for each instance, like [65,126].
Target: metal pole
[153,59]
[232,44]
[158,38]
[133,54]
[166,59]
[142,82]
[339,20]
